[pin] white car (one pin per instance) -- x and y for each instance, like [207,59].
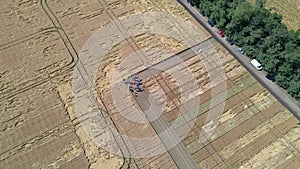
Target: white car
[256,64]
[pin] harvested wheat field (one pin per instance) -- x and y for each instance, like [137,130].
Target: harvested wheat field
[66,66]
[289,9]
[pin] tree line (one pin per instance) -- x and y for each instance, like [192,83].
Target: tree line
[262,35]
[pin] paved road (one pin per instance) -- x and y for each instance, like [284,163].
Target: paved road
[275,90]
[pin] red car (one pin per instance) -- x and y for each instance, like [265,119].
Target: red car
[220,33]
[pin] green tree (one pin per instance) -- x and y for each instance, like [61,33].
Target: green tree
[294,88]
[262,35]
[243,13]
[260,3]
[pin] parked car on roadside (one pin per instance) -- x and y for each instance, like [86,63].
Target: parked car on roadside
[229,41]
[240,50]
[191,2]
[256,64]
[202,13]
[270,77]
[219,31]
[210,23]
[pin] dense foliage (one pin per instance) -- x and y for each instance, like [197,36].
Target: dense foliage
[262,36]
